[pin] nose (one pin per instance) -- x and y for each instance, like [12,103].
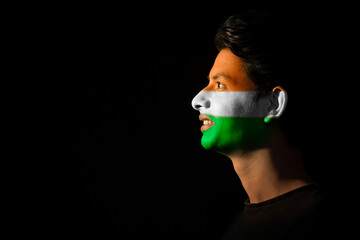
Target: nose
[201,101]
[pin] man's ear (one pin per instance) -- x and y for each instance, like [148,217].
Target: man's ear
[278,100]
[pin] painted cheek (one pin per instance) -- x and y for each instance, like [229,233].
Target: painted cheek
[233,107]
[236,108]
[244,107]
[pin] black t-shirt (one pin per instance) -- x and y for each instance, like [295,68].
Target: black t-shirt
[303,213]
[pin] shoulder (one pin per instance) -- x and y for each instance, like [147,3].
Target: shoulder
[321,218]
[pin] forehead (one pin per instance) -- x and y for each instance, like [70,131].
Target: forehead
[230,65]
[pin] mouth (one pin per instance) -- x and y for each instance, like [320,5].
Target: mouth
[207,122]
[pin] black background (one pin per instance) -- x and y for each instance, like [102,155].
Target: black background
[130,161]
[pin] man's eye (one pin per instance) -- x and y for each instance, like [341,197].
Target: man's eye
[220,85]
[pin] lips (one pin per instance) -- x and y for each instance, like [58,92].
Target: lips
[207,122]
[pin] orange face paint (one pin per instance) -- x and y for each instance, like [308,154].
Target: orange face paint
[228,69]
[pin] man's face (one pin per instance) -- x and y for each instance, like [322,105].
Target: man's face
[230,107]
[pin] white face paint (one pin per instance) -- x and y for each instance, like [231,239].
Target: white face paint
[229,104]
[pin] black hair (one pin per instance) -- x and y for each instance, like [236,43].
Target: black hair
[256,38]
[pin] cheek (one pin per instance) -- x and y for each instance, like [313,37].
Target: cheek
[225,106]
[234,106]
[239,107]
[246,107]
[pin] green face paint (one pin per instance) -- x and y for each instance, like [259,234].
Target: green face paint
[231,133]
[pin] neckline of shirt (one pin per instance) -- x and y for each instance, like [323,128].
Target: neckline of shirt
[249,205]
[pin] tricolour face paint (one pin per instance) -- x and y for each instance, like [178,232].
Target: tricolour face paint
[230,107]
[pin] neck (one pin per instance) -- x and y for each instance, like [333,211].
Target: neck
[270,171]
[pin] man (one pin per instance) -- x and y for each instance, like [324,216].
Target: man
[241,109]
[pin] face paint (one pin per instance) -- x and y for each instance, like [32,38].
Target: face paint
[236,120]
[229,134]
[231,108]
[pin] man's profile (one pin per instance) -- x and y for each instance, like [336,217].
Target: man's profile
[241,108]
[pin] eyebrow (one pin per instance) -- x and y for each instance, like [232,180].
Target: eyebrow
[219,75]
